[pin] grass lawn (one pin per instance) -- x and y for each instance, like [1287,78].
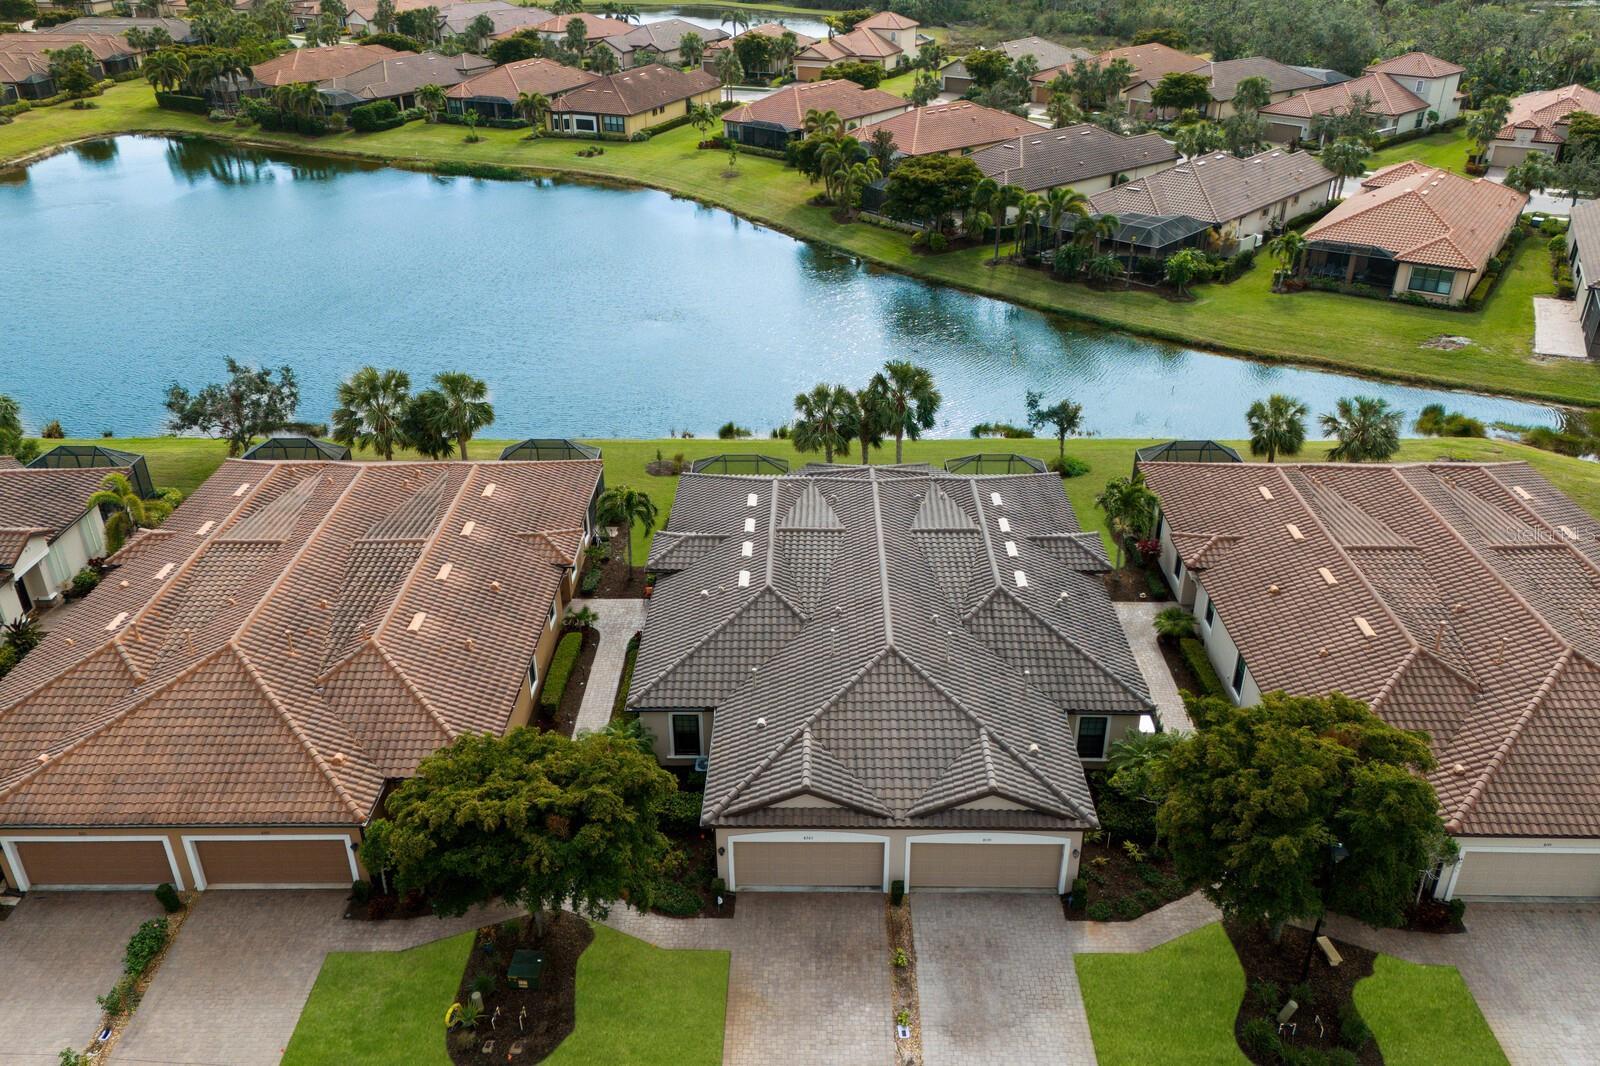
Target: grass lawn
[1447,149]
[637,1003]
[1174,1004]
[1415,1011]
[1371,337]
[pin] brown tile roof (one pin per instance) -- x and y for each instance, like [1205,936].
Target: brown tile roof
[1389,98]
[103,46]
[1226,76]
[666,35]
[888,20]
[19,67]
[1480,584]
[1546,112]
[766,29]
[1216,188]
[369,8]
[596,27]
[1424,215]
[507,18]
[788,106]
[1151,61]
[633,91]
[45,500]
[293,635]
[857,44]
[948,128]
[1417,65]
[319,64]
[1047,158]
[406,73]
[524,76]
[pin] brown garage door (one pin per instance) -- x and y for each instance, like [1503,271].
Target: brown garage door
[124,863]
[232,863]
[985,866]
[808,865]
[1524,873]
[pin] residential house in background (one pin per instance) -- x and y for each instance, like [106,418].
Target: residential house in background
[507,18]
[112,53]
[398,78]
[858,46]
[1583,256]
[631,101]
[1085,157]
[1438,81]
[766,29]
[48,532]
[955,78]
[889,673]
[1415,229]
[117,25]
[337,622]
[1150,62]
[318,64]
[494,93]
[658,42]
[958,128]
[360,13]
[780,117]
[1454,598]
[1394,107]
[1537,123]
[1286,81]
[595,28]
[25,76]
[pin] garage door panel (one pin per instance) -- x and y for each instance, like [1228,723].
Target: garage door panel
[985,866]
[802,864]
[323,861]
[130,863]
[1529,873]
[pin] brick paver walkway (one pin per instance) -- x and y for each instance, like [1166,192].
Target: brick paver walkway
[1557,329]
[1137,620]
[619,621]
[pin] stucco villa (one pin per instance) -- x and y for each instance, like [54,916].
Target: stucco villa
[494,93]
[780,117]
[1085,157]
[886,40]
[632,101]
[958,128]
[1538,122]
[48,532]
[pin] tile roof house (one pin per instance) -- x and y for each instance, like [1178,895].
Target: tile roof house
[508,18]
[1537,122]
[1415,229]
[659,42]
[766,29]
[318,64]
[1086,157]
[955,78]
[48,532]
[25,76]
[632,100]
[360,13]
[779,117]
[1149,61]
[228,708]
[112,53]
[494,93]
[1438,81]
[1456,598]
[1583,257]
[1225,77]
[958,128]
[596,28]
[399,77]
[885,40]
[115,25]
[1380,95]
[871,658]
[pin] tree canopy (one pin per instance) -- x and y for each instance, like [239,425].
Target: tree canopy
[928,189]
[251,403]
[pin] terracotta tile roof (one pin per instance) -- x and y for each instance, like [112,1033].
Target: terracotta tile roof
[369,8]
[666,35]
[1417,65]
[507,17]
[948,128]
[1226,76]
[1051,57]
[293,635]
[766,29]
[177,29]
[1423,215]
[865,637]
[319,64]
[596,27]
[405,73]
[788,106]
[1544,112]
[1480,585]
[524,76]
[1389,98]
[888,20]
[857,44]
[103,46]
[1217,188]
[1151,61]
[44,501]
[18,68]
[636,90]
[1045,159]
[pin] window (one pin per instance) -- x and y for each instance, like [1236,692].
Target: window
[583,123]
[1177,565]
[1092,738]
[1238,673]
[615,124]
[686,736]
[1211,613]
[1436,280]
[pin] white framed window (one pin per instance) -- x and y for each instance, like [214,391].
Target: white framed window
[684,728]
[1092,731]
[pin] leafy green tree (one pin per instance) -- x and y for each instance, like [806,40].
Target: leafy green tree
[729,71]
[928,189]
[249,404]
[72,70]
[1064,418]
[824,420]
[1277,426]
[478,32]
[421,23]
[383,16]
[533,818]
[692,49]
[986,66]
[1536,173]
[1365,428]
[1244,133]
[1578,173]
[1062,111]
[371,410]
[626,507]
[1182,91]
[12,442]
[603,61]
[1259,797]
[867,75]
[454,410]
[881,147]
[1185,267]
[909,398]
[924,87]
[1130,509]
[18,10]
[126,510]
[533,107]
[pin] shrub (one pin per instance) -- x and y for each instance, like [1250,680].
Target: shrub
[676,899]
[680,812]
[628,662]
[145,944]
[938,242]
[1099,911]
[1194,653]
[1458,910]
[1354,1032]
[484,985]
[561,664]
[1071,466]
[167,896]
[591,581]
[182,102]
[1128,908]
[1147,900]
[1150,875]
[123,997]
[732,431]
[640,137]
[72,1057]
[900,960]
[8,659]
[897,892]
[84,581]
[1080,890]
[378,115]
[1258,1037]
[1267,995]
[360,892]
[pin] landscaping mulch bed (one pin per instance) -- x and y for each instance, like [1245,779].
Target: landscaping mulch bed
[1131,585]
[1324,998]
[699,849]
[566,714]
[551,1007]
[903,981]
[1131,888]
[1178,667]
[614,579]
[388,907]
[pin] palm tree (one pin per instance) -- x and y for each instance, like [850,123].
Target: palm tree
[1366,428]
[1288,247]
[604,61]
[431,98]
[1100,228]
[478,31]
[729,70]
[577,38]
[702,117]
[869,418]
[622,506]
[466,407]
[128,510]
[533,107]
[1060,202]
[1173,624]
[691,49]
[298,98]
[1277,426]
[737,21]
[1347,158]
[995,200]
[1129,507]
[826,123]
[1197,138]
[855,179]
[166,69]
[825,420]
[372,409]
[1029,208]
[909,398]
[834,160]
[784,47]
[1488,121]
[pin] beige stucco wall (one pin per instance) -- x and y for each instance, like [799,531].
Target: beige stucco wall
[1460,288]
[645,119]
[659,725]
[1509,153]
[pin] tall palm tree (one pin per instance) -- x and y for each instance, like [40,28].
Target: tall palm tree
[692,49]
[604,61]
[1347,158]
[1288,247]
[1366,429]
[826,122]
[128,510]
[1101,228]
[431,98]
[910,400]
[784,47]
[533,107]
[1029,209]
[1277,426]
[834,160]
[869,418]
[299,98]
[466,407]
[854,181]
[165,68]
[995,199]
[371,410]
[478,32]
[729,70]
[736,20]
[623,506]
[1129,507]
[825,420]
[1060,202]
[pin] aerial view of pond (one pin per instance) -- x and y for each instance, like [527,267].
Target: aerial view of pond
[590,311]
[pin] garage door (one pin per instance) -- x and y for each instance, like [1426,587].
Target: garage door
[808,865]
[76,864]
[985,866]
[1523,873]
[271,863]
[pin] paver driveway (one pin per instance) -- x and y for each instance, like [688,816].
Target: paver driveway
[58,951]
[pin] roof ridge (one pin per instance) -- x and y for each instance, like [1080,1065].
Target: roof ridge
[429,545]
[1555,534]
[1079,648]
[1470,801]
[713,631]
[411,687]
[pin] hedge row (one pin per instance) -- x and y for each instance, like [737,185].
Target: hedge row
[182,102]
[1194,653]
[561,664]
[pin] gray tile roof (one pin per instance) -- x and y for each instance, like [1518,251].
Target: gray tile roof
[1049,158]
[1216,188]
[893,640]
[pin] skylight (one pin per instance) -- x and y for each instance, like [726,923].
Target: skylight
[444,572]
[1005,524]
[117,621]
[751,500]
[749,525]
[1365,627]
[1011,548]
[466,530]
[417,620]
[164,571]
[994,498]
[747,548]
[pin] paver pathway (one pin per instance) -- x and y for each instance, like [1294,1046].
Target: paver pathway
[618,621]
[1557,330]
[1137,622]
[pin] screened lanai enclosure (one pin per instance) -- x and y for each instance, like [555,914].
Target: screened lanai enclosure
[277,448]
[546,449]
[994,463]
[1149,236]
[740,463]
[1186,451]
[128,464]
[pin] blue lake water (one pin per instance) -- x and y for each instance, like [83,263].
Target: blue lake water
[590,311]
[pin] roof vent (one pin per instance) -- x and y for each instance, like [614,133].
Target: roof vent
[705,592]
[1033,748]
[1020,578]
[494,586]
[488,490]
[747,548]
[1005,524]
[1568,532]
[205,527]
[1459,769]
[1294,531]
[417,620]
[444,572]
[44,757]
[1365,627]
[324,604]
[1011,548]
[1266,493]
[165,570]
[761,723]
[994,498]
[122,584]
[749,525]
[337,759]
[1327,575]
[240,491]
[1274,589]
[1322,652]
[744,579]
[466,530]
[751,500]
[1521,492]
[117,621]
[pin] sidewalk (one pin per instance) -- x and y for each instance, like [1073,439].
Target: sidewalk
[619,620]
